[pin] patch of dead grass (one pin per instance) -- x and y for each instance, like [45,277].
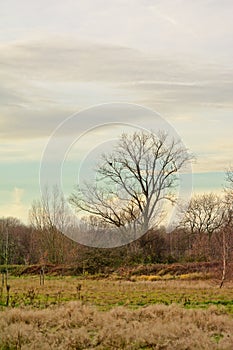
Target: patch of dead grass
[77,326]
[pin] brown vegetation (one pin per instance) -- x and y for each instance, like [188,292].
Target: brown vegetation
[205,269]
[76,326]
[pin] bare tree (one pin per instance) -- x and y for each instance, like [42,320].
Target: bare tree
[226,237]
[204,215]
[228,191]
[50,217]
[210,216]
[229,178]
[133,180]
[14,243]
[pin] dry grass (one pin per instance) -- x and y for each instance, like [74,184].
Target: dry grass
[77,326]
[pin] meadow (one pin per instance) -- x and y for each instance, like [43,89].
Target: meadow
[91,312]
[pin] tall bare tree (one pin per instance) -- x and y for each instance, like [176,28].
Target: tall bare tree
[133,180]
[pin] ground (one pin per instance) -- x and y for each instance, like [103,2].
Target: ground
[90,312]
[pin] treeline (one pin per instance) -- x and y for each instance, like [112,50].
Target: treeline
[204,234]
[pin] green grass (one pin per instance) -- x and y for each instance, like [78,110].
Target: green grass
[217,337]
[106,293]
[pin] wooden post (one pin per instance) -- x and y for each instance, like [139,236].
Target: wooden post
[7,294]
[3,279]
[223,258]
[6,255]
[42,275]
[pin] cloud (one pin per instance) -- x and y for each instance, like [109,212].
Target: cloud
[174,56]
[63,59]
[46,80]
[12,204]
[17,196]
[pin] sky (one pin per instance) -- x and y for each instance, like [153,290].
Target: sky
[58,58]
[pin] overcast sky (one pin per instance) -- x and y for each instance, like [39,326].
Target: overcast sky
[59,57]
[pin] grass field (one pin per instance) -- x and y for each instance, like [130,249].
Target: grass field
[107,293]
[86,313]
